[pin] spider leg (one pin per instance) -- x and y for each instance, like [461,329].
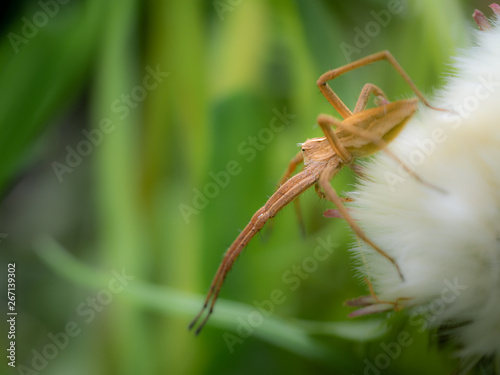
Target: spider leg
[335,101]
[362,133]
[326,122]
[289,191]
[365,95]
[332,196]
[292,166]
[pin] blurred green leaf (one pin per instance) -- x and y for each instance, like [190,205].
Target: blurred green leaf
[40,76]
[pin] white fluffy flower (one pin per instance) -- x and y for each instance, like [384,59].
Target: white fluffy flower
[446,240]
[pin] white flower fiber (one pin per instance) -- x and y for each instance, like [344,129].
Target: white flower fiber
[447,244]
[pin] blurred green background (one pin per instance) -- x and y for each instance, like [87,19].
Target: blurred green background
[115,117]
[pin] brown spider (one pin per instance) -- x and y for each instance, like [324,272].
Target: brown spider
[360,133]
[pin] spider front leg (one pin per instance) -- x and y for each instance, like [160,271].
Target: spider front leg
[326,122]
[365,95]
[337,103]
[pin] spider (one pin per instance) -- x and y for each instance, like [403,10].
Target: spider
[361,133]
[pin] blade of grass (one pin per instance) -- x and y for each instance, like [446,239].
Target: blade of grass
[274,330]
[117,189]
